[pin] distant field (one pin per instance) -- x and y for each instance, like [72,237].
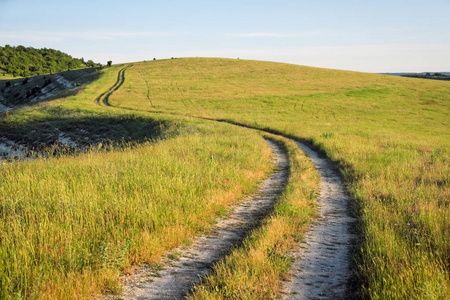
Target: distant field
[388,135]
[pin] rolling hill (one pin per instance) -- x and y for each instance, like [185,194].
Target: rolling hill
[388,136]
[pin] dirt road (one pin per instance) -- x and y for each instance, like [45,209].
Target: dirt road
[322,270]
[104,98]
[183,269]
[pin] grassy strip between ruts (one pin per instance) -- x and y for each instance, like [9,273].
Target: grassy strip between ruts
[69,225]
[256,270]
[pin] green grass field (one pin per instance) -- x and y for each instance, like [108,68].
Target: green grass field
[389,136]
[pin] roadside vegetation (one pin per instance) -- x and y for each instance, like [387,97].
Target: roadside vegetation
[388,135]
[72,223]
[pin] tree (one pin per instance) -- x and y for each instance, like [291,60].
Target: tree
[27,61]
[90,63]
[109,63]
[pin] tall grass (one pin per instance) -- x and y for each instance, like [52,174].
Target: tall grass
[389,136]
[70,224]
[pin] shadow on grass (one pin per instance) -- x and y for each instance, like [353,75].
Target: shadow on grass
[63,134]
[21,91]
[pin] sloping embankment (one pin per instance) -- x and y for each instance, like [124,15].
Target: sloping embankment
[21,91]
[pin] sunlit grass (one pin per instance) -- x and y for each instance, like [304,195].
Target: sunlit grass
[389,136]
[69,224]
[107,210]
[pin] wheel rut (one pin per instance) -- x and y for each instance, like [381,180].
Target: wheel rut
[104,98]
[322,270]
[178,276]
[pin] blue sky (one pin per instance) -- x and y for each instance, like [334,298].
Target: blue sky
[368,36]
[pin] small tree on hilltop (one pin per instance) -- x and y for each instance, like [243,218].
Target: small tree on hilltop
[109,63]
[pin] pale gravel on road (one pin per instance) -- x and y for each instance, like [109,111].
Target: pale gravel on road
[322,270]
[178,276]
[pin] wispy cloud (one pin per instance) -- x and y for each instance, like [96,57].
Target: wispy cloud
[274,34]
[47,36]
[58,36]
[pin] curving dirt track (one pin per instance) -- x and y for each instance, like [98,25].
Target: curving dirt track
[322,267]
[120,80]
[177,277]
[322,270]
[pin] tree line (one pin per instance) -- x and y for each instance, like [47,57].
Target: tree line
[28,61]
[437,76]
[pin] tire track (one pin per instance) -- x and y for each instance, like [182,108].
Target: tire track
[97,101]
[120,80]
[322,267]
[178,276]
[322,270]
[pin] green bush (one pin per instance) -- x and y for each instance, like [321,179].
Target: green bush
[28,61]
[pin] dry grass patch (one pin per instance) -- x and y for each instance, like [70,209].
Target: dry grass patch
[69,225]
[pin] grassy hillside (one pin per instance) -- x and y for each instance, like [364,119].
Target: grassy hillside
[70,224]
[21,91]
[389,135]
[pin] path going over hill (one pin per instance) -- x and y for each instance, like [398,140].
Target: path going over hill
[120,80]
[184,267]
[322,270]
